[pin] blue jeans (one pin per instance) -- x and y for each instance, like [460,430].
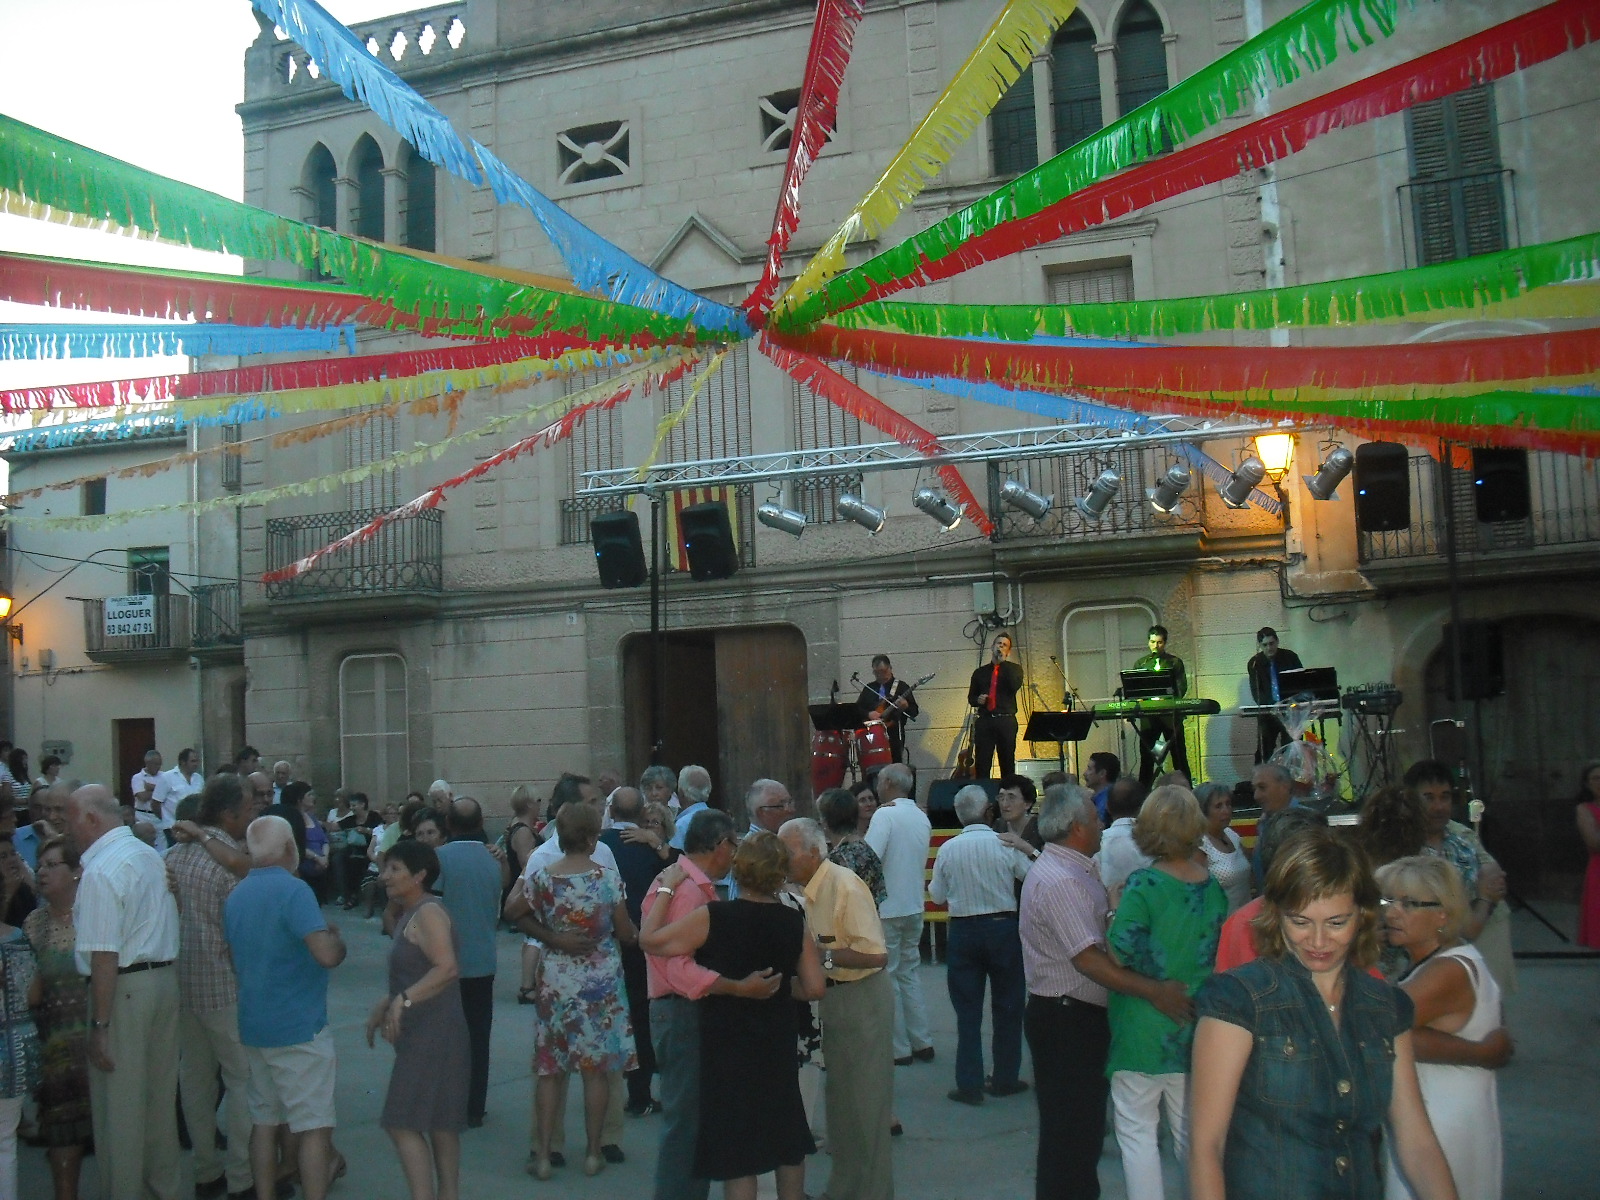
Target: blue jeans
[675,1031]
[986,949]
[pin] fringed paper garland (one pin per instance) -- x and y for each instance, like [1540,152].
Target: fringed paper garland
[39,341]
[672,420]
[832,33]
[1016,218]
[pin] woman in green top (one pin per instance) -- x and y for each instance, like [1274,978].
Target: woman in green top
[1165,927]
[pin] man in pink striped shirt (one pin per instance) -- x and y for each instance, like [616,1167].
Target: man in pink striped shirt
[675,983]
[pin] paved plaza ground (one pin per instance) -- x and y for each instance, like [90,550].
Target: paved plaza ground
[1549,1097]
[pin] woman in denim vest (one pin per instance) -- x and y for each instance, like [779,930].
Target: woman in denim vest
[1301,1058]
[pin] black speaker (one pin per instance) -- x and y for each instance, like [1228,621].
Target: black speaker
[618,552]
[1483,665]
[1383,487]
[708,540]
[1500,484]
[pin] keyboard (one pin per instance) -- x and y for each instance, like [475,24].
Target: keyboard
[1155,706]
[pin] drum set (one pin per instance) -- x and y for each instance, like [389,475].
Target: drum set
[836,752]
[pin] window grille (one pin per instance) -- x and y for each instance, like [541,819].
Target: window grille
[819,424]
[1013,129]
[592,152]
[1074,83]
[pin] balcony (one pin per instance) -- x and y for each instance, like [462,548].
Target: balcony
[214,620]
[397,572]
[1446,219]
[1558,536]
[171,640]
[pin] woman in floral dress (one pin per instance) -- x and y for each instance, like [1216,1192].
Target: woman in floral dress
[583,1016]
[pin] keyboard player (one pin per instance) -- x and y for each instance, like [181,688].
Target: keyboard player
[1154,731]
[1263,669]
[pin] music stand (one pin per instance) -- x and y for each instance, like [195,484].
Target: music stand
[1060,728]
[1321,682]
[1147,685]
[839,718]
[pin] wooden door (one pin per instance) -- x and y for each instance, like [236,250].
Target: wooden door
[764,731]
[131,737]
[689,704]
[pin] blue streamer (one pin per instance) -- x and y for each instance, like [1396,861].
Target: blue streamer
[594,262]
[35,341]
[98,429]
[1073,409]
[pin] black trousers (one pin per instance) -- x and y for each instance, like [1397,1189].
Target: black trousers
[994,733]
[636,979]
[1069,1042]
[1270,734]
[477,1004]
[1150,731]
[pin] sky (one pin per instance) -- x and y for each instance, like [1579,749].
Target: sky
[153,84]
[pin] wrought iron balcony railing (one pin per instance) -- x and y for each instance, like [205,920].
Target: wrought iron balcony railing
[215,609]
[1068,477]
[171,639]
[405,556]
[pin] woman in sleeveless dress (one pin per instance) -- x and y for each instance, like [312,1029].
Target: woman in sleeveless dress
[752,1119]
[1589,829]
[426,1106]
[1457,1024]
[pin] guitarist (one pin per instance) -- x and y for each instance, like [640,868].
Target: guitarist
[891,701]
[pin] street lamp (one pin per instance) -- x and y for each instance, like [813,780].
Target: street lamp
[1275,452]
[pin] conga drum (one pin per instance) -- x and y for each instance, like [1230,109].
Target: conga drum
[830,753]
[872,746]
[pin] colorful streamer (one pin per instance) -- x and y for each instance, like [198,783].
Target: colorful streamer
[832,33]
[1510,282]
[580,405]
[1219,475]
[863,405]
[672,420]
[34,341]
[1023,29]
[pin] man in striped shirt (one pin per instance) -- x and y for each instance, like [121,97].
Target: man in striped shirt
[974,875]
[1063,930]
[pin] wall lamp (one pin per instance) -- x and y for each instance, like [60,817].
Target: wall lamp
[854,508]
[1014,495]
[1275,452]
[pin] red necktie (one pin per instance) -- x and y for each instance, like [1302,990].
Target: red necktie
[994,686]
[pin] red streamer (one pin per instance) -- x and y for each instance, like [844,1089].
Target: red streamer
[1541,356]
[859,403]
[832,35]
[1533,38]
[557,431]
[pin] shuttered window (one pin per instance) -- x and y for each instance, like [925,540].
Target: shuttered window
[718,426]
[1013,129]
[1105,283]
[368,218]
[1458,205]
[1074,83]
[1141,59]
[422,206]
[371,442]
[374,747]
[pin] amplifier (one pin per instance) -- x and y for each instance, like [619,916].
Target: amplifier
[1373,700]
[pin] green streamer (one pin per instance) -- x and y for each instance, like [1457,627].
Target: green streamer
[1466,284]
[49,170]
[1545,411]
[1303,42]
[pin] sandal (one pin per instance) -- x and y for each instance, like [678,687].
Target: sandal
[527,995]
[339,1168]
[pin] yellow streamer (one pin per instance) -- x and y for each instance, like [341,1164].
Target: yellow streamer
[1021,30]
[673,419]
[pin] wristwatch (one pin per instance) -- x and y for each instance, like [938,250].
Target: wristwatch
[405,1000]
[827,960]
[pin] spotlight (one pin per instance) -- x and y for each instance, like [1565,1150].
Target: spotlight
[1014,495]
[856,509]
[1330,474]
[786,520]
[1236,491]
[1276,452]
[1164,496]
[936,506]
[1100,495]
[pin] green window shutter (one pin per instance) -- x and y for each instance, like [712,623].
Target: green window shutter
[1457,189]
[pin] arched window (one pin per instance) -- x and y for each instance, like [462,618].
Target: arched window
[1074,82]
[1141,57]
[366,165]
[1012,129]
[421,205]
[316,181]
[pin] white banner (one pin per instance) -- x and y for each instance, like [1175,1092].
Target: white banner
[130,616]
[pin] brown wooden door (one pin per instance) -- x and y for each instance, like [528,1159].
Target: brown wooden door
[689,704]
[131,737]
[764,731]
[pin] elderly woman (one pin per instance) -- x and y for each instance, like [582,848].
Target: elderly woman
[1165,928]
[1301,1059]
[752,1119]
[583,1019]
[839,812]
[1425,908]
[1016,824]
[1225,857]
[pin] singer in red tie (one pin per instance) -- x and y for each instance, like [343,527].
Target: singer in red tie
[993,693]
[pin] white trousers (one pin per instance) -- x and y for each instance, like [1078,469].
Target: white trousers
[902,938]
[1137,1100]
[10,1117]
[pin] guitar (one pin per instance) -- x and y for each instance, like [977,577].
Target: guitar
[877,714]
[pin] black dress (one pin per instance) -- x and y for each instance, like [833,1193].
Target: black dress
[752,1119]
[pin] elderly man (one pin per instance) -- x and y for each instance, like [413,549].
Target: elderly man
[975,875]
[900,834]
[674,984]
[208,994]
[127,939]
[282,952]
[769,804]
[142,787]
[260,792]
[857,1015]
[1063,928]
[694,791]
[1274,791]
[282,777]
[471,880]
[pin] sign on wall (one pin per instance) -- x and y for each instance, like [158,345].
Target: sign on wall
[130,616]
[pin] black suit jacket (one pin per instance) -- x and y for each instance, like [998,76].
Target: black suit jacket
[1261,674]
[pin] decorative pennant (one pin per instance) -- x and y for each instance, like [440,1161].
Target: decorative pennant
[672,420]
[35,341]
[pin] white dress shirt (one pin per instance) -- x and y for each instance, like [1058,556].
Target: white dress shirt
[137,784]
[899,835]
[548,852]
[974,873]
[172,788]
[1119,855]
[124,905]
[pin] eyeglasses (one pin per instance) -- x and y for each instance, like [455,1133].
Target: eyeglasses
[786,806]
[1409,904]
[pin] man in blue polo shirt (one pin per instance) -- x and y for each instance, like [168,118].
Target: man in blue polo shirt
[471,881]
[282,952]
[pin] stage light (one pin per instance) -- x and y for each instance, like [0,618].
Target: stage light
[854,508]
[1236,491]
[1330,474]
[1166,493]
[786,520]
[936,506]
[1100,495]
[1275,452]
[1014,495]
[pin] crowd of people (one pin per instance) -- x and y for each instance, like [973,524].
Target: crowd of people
[1326,1007]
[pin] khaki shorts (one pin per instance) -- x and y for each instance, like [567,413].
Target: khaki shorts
[293,1084]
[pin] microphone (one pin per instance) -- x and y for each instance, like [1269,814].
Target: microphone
[855,677]
[834,695]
